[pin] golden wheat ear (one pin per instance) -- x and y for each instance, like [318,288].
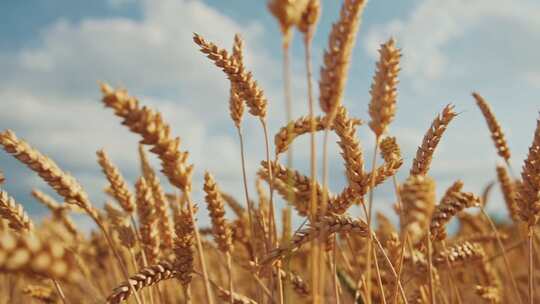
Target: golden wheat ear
[337,55]
[424,154]
[184,227]
[161,203]
[32,255]
[241,79]
[118,185]
[14,213]
[148,221]
[382,107]
[453,202]
[64,184]
[144,278]
[494,127]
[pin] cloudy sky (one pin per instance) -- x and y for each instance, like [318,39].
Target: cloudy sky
[52,53]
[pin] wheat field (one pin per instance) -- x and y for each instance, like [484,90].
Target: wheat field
[148,247]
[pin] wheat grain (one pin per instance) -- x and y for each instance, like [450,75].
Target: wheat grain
[309,18]
[41,293]
[288,14]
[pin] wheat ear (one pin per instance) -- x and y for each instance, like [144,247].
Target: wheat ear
[242,80]
[508,189]
[145,277]
[118,185]
[418,202]
[333,75]
[29,254]
[287,179]
[41,293]
[156,132]
[160,201]
[220,227]
[494,127]
[148,220]
[424,154]
[334,224]
[288,14]
[64,184]
[308,20]
[14,213]
[453,202]
[184,227]
[528,199]
[382,107]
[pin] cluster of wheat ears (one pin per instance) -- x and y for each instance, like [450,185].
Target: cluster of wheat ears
[148,247]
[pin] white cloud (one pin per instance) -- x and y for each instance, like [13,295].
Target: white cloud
[431,28]
[533,78]
[50,94]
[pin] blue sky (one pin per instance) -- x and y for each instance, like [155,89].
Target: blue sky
[52,53]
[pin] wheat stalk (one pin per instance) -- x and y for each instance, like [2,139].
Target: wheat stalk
[156,132]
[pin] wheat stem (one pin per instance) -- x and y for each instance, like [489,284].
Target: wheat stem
[284,294]
[531,265]
[229,273]
[370,206]
[503,251]
[60,291]
[118,259]
[430,268]
[200,251]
